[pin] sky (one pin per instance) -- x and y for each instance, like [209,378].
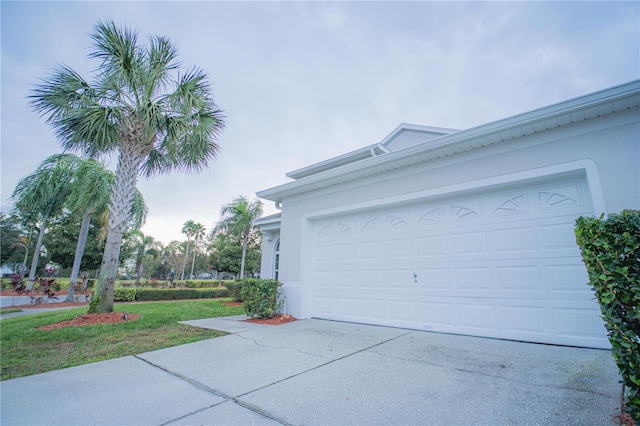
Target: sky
[301,82]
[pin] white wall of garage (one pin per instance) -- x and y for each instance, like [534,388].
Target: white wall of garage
[595,162]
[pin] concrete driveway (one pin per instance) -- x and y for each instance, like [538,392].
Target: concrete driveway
[324,372]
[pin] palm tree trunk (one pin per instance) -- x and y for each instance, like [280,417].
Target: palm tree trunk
[26,253]
[244,255]
[184,264]
[36,253]
[77,259]
[193,262]
[138,272]
[119,208]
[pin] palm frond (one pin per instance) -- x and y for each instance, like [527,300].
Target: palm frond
[117,49]
[91,188]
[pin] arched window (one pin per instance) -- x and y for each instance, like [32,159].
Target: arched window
[276,260]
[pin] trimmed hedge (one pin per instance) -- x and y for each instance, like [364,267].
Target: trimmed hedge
[129,294]
[124,294]
[261,298]
[144,294]
[610,249]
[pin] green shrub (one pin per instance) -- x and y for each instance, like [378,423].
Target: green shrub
[261,298]
[610,250]
[124,294]
[91,282]
[235,288]
[199,284]
[144,294]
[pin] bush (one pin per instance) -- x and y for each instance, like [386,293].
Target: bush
[235,288]
[43,291]
[124,294]
[261,298]
[610,250]
[144,294]
[200,284]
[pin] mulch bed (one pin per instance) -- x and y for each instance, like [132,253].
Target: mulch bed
[90,319]
[277,320]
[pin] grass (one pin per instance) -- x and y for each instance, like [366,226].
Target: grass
[25,350]
[9,310]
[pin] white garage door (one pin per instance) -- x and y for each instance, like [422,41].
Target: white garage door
[498,263]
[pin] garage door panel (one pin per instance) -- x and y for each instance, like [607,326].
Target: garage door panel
[401,311]
[347,306]
[436,314]
[557,236]
[345,252]
[526,319]
[399,278]
[346,279]
[372,309]
[323,305]
[434,278]
[517,238]
[370,250]
[433,245]
[472,242]
[398,248]
[577,322]
[497,263]
[517,279]
[371,278]
[472,279]
[475,316]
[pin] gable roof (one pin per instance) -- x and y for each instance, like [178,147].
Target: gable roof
[609,101]
[402,136]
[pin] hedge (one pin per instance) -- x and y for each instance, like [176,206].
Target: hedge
[610,249]
[144,294]
[261,298]
[129,294]
[124,294]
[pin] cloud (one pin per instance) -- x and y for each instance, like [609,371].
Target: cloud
[301,82]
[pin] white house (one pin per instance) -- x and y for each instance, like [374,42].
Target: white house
[468,232]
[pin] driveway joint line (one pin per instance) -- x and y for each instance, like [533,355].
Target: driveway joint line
[211,391]
[325,364]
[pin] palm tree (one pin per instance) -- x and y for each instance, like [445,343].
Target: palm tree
[237,218]
[145,245]
[156,119]
[41,195]
[198,232]
[187,229]
[90,192]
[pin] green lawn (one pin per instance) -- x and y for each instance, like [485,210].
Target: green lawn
[24,350]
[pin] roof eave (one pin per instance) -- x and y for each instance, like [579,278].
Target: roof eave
[491,133]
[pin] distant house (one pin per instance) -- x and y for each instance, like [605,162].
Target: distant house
[467,232]
[6,271]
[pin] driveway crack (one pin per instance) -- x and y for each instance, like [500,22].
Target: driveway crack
[282,347]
